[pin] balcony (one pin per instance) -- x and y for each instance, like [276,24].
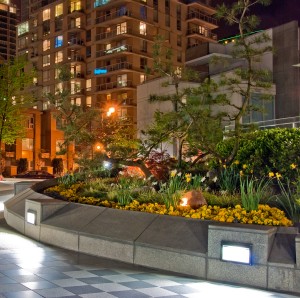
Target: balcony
[290,122]
[115,16]
[75,27]
[78,75]
[114,67]
[115,50]
[128,102]
[202,19]
[75,41]
[75,10]
[76,58]
[119,34]
[114,85]
[201,33]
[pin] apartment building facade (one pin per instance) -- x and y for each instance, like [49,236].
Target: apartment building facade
[8,25]
[107,46]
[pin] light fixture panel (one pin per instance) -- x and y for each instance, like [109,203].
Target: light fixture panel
[236,252]
[31,217]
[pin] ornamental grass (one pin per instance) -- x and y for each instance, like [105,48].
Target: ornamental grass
[264,215]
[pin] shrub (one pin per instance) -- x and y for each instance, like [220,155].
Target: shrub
[265,151]
[22,165]
[160,164]
[58,166]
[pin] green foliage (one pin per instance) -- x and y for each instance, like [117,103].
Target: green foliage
[74,120]
[223,200]
[97,188]
[250,49]
[197,182]
[265,151]
[94,167]
[229,180]
[236,12]
[172,190]
[117,136]
[22,165]
[68,180]
[289,198]
[14,100]
[252,191]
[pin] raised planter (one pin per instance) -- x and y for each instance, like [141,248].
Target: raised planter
[183,245]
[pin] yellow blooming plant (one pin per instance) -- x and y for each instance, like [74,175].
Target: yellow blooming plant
[264,215]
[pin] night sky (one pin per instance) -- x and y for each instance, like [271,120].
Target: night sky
[278,13]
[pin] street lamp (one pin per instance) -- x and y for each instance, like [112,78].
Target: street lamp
[111,110]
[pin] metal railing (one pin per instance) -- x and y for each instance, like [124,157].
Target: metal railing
[114,50]
[206,33]
[289,122]
[113,85]
[201,16]
[117,14]
[120,32]
[117,66]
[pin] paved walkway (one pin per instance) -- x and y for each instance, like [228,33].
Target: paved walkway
[29,269]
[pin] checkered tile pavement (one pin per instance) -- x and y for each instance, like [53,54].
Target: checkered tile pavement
[29,269]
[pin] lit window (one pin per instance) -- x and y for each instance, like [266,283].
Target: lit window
[46,60]
[30,122]
[88,85]
[35,81]
[46,105]
[27,144]
[57,73]
[122,113]
[121,28]
[78,22]
[59,56]
[122,80]
[46,45]
[60,144]
[23,28]
[88,101]
[142,78]
[75,87]
[58,88]
[46,14]
[143,28]
[59,9]
[75,5]
[58,41]
[76,101]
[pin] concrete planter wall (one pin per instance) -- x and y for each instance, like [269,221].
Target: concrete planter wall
[176,244]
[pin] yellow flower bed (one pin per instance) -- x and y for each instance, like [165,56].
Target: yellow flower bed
[265,215]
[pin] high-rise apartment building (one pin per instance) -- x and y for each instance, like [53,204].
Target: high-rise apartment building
[8,23]
[107,45]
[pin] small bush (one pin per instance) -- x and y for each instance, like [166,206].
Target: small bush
[22,165]
[265,151]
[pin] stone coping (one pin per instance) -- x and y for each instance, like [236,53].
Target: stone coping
[177,244]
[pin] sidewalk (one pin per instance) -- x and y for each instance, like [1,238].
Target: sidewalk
[31,269]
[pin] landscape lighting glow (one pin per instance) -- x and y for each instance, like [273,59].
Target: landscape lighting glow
[236,252]
[31,217]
